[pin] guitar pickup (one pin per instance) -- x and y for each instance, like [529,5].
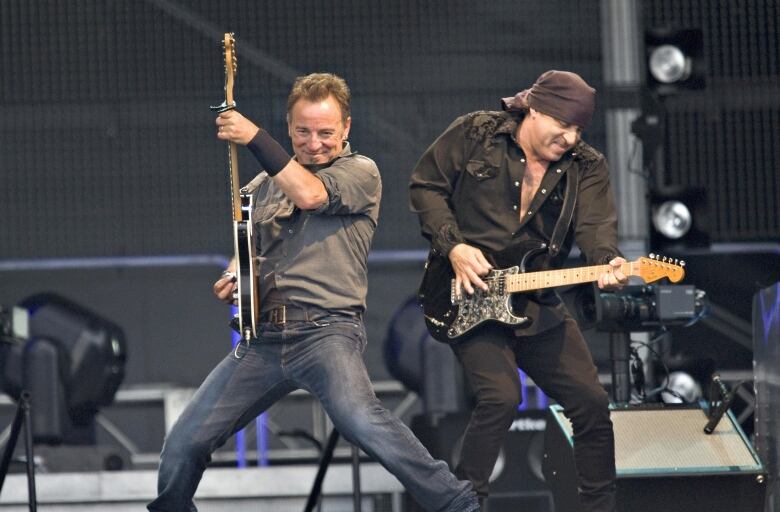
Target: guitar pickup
[454,295]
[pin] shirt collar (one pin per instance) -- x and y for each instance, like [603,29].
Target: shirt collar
[346,151]
[508,125]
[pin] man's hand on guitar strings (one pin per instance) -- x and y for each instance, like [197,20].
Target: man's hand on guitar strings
[615,278]
[469,264]
[234,127]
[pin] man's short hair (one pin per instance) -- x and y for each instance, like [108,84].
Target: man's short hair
[317,87]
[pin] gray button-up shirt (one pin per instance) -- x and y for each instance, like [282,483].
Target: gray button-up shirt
[317,259]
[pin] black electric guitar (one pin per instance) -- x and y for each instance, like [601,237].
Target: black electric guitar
[450,314]
[247,295]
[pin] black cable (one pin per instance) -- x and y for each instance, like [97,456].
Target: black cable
[704,311]
[665,386]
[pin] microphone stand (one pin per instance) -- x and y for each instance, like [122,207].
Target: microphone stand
[720,402]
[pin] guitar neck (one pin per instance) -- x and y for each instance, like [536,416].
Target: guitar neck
[563,277]
[234,194]
[231,67]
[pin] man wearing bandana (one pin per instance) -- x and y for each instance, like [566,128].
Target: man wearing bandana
[523,178]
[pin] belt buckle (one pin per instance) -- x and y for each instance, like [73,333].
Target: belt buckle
[279,315]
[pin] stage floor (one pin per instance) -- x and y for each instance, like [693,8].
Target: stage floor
[271,489]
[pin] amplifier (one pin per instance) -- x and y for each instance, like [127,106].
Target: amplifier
[664,461]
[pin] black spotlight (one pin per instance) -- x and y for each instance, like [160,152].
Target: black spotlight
[679,217]
[72,364]
[422,364]
[675,59]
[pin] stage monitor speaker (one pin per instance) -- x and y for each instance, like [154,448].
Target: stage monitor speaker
[517,482]
[665,462]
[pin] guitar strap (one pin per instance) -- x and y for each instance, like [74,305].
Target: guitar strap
[567,212]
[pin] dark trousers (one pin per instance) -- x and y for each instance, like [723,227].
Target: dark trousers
[559,362]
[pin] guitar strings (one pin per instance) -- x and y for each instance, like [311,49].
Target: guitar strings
[531,277]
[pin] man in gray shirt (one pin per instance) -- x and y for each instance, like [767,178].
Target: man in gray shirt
[314,217]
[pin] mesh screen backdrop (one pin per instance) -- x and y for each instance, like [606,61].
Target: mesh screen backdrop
[109,148]
[725,136]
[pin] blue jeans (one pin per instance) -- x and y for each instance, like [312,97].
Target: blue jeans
[324,358]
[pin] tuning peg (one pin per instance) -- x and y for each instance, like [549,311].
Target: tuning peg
[682,263]
[651,255]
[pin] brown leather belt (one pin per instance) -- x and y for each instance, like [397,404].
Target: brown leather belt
[280,315]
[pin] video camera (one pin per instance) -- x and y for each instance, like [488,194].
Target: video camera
[642,307]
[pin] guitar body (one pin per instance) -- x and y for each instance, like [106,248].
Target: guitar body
[450,315]
[247,299]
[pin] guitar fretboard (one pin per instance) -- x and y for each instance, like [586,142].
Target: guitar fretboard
[231,68]
[235,197]
[567,276]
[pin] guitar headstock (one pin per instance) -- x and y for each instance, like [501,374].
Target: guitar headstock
[657,267]
[231,65]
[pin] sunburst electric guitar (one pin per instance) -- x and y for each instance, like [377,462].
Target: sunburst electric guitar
[247,294]
[449,314]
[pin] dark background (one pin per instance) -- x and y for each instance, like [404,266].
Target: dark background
[111,176]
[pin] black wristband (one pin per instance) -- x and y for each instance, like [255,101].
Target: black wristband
[271,155]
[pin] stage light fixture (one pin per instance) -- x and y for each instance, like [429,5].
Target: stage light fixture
[681,388]
[672,219]
[422,364]
[668,64]
[675,59]
[679,218]
[72,364]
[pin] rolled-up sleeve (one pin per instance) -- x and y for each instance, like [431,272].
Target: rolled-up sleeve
[432,184]
[353,185]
